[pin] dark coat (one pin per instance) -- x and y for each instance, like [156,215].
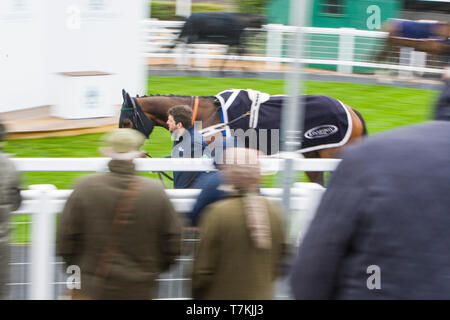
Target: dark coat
[148,244]
[227,264]
[10,200]
[387,205]
[442,110]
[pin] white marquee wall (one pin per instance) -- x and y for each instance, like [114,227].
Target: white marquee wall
[41,38]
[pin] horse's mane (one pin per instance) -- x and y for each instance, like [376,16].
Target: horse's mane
[176,96]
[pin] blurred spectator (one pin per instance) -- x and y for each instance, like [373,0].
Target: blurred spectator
[120,229]
[10,200]
[442,109]
[381,230]
[242,238]
[188,143]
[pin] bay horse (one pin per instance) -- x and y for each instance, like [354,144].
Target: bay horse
[425,36]
[143,113]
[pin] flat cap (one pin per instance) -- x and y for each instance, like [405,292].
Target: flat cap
[124,140]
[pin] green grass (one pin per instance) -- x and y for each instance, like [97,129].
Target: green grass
[384,108]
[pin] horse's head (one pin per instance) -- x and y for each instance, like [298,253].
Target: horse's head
[132,116]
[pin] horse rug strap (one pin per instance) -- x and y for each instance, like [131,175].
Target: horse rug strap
[327,122]
[257,98]
[194,109]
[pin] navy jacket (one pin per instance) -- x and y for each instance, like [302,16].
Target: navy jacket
[388,206]
[189,145]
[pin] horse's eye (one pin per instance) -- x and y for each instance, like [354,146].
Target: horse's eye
[127,123]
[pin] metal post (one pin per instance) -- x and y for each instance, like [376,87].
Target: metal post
[274,45]
[405,58]
[346,50]
[183,8]
[43,246]
[293,109]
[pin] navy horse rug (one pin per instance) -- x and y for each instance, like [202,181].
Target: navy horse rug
[327,121]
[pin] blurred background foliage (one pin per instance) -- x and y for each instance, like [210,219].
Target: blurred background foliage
[250,6]
[165,10]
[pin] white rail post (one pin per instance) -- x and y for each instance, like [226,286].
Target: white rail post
[419,59]
[405,60]
[43,246]
[346,50]
[183,8]
[274,44]
[182,51]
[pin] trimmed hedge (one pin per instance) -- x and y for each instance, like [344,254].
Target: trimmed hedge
[164,10]
[251,6]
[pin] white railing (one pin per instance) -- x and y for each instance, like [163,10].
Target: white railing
[346,48]
[43,202]
[162,164]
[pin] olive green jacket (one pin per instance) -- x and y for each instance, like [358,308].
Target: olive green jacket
[227,263]
[146,246]
[10,200]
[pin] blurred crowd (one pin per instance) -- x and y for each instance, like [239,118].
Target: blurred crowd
[381,230]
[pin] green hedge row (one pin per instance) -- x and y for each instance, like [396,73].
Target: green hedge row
[165,10]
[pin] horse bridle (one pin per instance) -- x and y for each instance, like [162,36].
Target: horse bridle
[138,122]
[136,117]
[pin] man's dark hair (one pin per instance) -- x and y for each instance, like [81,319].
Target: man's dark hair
[181,113]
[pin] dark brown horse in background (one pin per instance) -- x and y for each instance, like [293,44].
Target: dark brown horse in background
[224,28]
[142,113]
[430,37]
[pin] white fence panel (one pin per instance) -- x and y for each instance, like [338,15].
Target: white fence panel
[162,164]
[346,48]
[44,201]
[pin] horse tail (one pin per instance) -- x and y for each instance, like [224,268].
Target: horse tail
[365,133]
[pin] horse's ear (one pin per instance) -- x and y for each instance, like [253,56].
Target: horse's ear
[127,103]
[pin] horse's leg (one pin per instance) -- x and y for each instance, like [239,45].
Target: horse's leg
[224,62]
[314,176]
[358,131]
[240,50]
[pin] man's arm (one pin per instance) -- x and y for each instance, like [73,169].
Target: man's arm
[14,198]
[69,232]
[209,194]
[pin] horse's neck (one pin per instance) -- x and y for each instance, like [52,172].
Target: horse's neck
[156,108]
[207,112]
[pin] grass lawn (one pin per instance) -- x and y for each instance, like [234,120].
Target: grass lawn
[384,108]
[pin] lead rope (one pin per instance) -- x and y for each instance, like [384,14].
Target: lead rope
[161,172]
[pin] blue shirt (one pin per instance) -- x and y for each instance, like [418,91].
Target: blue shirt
[189,145]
